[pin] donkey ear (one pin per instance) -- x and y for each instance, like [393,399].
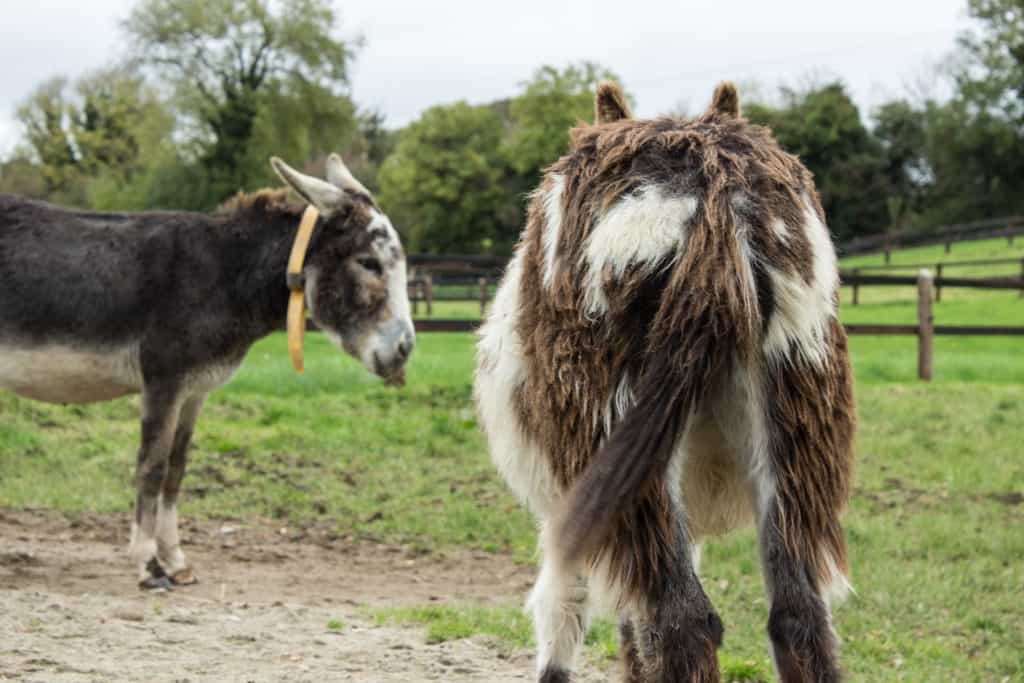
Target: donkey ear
[726,100]
[321,194]
[339,176]
[610,104]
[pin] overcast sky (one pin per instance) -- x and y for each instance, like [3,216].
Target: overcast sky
[668,54]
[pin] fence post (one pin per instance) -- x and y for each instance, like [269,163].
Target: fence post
[483,296]
[925,326]
[856,286]
[415,297]
[428,281]
[1022,276]
[949,246]
[888,253]
[938,283]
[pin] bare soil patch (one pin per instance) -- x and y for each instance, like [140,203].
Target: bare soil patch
[70,610]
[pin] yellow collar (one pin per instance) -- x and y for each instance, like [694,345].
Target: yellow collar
[297,284]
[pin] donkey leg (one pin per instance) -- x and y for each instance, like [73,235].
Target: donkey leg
[168,542]
[629,655]
[160,407]
[559,602]
[800,576]
[802,477]
[676,630]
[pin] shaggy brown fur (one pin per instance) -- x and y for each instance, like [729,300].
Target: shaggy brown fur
[694,310]
[726,100]
[267,199]
[610,104]
[677,334]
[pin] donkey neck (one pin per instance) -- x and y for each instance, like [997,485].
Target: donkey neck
[257,249]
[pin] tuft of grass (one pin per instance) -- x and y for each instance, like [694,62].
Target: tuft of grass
[509,626]
[511,629]
[335,625]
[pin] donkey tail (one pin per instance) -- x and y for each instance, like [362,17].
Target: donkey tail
[707,317]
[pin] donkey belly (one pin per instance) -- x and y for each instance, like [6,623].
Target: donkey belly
[716,491]
[63,374]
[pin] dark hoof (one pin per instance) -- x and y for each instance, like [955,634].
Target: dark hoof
[156,584]
[184,577]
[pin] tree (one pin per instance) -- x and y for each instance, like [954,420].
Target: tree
[901,130]
[105,127]
[442,184]
[537,123]
[20,175]
[989,71]
[371,145]
[823,127]
[44,116]
[551,103]
[117,116]
[250,78]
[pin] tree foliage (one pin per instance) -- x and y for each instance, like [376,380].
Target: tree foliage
[824,128]
[551,103]
[108,125]
[250,78]
[442,183]
[214,87]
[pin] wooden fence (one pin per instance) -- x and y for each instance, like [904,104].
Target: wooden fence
[928,288]
[938,268]
[1009,227]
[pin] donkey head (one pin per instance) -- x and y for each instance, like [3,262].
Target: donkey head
[355,271]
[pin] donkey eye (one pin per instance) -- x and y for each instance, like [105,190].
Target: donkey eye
[372,265]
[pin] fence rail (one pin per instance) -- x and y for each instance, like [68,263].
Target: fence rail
[928,288]
[1009,227]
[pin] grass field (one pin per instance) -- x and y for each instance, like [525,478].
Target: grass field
[936,525]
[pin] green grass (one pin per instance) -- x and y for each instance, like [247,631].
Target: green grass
[935,525]
[510,628]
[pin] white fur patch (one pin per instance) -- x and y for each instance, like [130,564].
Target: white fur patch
[552,230]
[560,605]
[803,312]
[142,548]
[780,230]
[500,370]
[172,559]
[641,228]
[380,343]
[620,401]
[63,374]
[837,586]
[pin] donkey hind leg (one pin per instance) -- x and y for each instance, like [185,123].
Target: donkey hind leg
[804,644]
[169,553]
[560,605]
[632,667]
[160,407]
[676,629]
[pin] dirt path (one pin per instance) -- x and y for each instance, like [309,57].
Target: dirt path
[69,609]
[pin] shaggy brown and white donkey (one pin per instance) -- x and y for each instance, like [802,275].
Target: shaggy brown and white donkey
[663,361]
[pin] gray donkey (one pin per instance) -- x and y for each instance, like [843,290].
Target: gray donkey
[99,305]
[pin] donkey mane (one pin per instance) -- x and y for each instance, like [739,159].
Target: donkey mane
[267,202]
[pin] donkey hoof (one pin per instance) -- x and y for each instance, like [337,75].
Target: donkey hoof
[184,577]
[155,584]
